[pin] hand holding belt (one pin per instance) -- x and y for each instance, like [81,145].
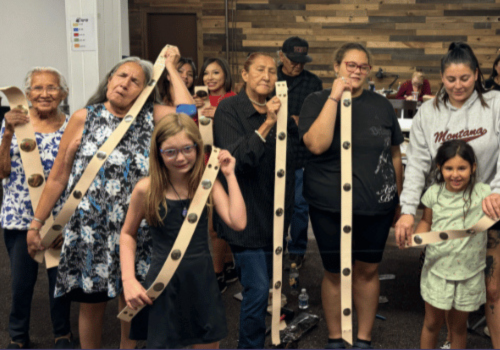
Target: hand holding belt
[205,124]
[184,237]
[279,207]
[346,216]
[419,239]
[32,164]
[54,227]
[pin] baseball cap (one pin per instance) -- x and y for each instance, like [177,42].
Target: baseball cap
[295,49]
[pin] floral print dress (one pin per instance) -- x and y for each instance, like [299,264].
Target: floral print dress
[90,254]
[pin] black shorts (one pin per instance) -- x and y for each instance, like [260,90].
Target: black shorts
[79,296]
[368,241]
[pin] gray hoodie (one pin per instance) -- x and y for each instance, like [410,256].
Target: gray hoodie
[477,125]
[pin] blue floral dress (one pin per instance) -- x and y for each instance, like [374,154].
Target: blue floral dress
[90,254]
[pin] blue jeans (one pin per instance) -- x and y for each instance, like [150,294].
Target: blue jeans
[24,271]
[254,269]
[300,218]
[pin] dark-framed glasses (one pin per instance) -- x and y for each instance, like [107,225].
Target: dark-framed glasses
[171,153]
[352,66]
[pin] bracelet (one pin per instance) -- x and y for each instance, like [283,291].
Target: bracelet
[38,220]
[34,229]
[262,138]
[333,99]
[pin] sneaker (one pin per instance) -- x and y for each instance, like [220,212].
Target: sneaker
[335,345]
[230,274]
[294,258]
[221,281]
[64,343]
[446,345]
[361,345]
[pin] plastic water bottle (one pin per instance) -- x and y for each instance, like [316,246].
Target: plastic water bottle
[303,299]
[293,278]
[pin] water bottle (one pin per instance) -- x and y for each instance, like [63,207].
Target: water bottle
[293,278]
[303,300]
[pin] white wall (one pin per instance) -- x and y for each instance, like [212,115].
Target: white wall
[32,33]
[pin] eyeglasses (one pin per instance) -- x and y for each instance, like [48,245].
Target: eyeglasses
[171,153]
[50,89]
[352,66]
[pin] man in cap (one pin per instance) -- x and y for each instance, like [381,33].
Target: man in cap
[301,83]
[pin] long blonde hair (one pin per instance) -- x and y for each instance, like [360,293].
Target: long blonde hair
[169,126]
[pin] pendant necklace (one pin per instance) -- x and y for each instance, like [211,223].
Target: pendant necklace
[257,103]
[184,210]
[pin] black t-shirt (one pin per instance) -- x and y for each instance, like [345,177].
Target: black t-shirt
[491,84]
[375,129]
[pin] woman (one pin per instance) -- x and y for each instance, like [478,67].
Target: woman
[494,81]
[187,71]
[377,179]
[216,75]
[418,83]
[89,267]
[245,125]
[449,116]
[45,88]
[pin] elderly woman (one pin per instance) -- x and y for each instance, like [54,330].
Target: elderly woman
[377,179]
[89,268]
[45,88]
[246,126]
[418,84]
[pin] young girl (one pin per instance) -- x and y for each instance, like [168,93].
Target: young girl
[453,272]
[190,310]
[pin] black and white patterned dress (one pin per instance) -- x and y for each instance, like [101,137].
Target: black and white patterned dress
[90,254]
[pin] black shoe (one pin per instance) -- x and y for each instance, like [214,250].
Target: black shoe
[64,343]
[296,259]
[221,281]
[230,274]
[361,345]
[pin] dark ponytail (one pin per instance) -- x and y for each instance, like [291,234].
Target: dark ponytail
[461,53]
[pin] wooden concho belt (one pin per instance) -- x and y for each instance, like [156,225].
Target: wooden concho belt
[32,164]
[205,124]
[54,227]
[185,234]
[419,239]
[346,216]
[279,207]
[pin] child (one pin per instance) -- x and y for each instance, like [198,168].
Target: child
[190,309]
[453,272]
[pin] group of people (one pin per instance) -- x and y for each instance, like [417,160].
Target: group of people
[126,223]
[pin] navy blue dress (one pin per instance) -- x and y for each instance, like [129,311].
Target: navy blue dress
[190,310]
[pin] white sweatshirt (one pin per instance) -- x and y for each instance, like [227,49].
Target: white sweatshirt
[473,123]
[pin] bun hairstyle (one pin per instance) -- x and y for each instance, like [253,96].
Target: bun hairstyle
[461,53]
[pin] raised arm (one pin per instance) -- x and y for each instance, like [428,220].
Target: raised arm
[135,293]
[319,137]
[58,177]
[231,208]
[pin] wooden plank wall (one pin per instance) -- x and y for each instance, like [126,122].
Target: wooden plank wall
[403,35]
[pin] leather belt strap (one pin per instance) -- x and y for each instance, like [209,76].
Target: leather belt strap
[184,237]
[419,239]
[346,216]
[32,164]
[205,123]
[279,207]
[54,227]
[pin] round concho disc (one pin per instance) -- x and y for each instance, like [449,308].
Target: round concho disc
[205,121]
[35,180]
[28,145]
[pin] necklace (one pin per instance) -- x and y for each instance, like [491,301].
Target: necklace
[257,103]
[184,210]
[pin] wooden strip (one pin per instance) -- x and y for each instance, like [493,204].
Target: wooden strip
[403,45]
[330,19]
[342,7]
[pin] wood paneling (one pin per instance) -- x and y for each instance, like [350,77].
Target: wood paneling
[403,35]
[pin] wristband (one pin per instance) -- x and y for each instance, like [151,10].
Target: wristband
[34,229]
[188,109]
[38,220]
[333,99]
[262,138]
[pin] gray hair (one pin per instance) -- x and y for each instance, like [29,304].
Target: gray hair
[29,77]
[147,67]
